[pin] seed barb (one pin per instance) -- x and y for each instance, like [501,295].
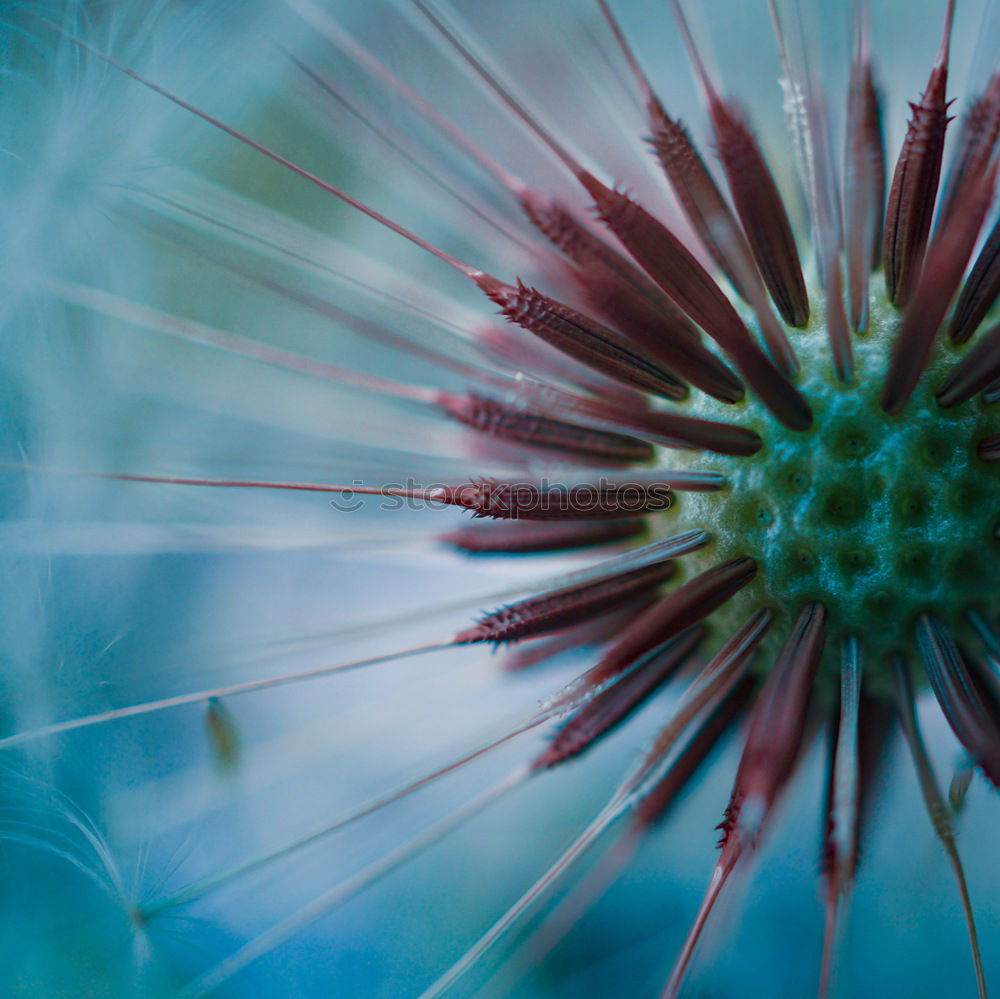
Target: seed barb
[776,728]
[616,289]
[937,810]
[946,259]
[982,287]
[915,180]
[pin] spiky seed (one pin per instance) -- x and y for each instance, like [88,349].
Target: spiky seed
[613,705]
[689,603]
[579,336]
[864,180]
[982,287]
[634,304]
[970,704]
[522,538]
[975,372]
[946,260]
[977,139]
[761,210]
[504,422]
[774,738]
[915,181]
[675,270]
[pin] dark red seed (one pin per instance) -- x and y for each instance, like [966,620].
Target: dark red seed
[976,371]
[761,210]
[687,605]
[680,275]
[557,609]
[613,705]
[496,419]
[595,632]
[977,139]
[988,449]
[915,181]
[579,336]
[777,725]
[982,287]
[864,180]
[949,252]
[529,538]
[654,807]
[969,702]
[609,496]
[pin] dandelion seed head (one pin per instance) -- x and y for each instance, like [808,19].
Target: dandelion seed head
[879,517]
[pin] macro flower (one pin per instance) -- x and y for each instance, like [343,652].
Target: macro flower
[455,458]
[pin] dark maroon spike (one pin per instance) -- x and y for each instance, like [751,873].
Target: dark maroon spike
[761,211]
[970,704]
[988,449]
[620,292]
[975,372]
[610,496]
[655,806]
[704,205]
[774,739]
[696,190]
[565,231]
[755,194]
[672,430]
[579,336]
[777,725]
[915,180]
[557,609]
[981,290]
[529,538]
[687,605]
[595,632]
[518,350]
[949,253]
[492,417]
[974,146]
[680,275]
[613,705]
[864,178]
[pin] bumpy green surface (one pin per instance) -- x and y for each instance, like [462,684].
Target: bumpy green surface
[879,517]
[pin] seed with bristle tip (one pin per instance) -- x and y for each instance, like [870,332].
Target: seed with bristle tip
[969,702]
[915,181]
[579,336]
[979,369]
[492,417]
[982,288]
[522,538]
[560,608]
[761,211]
[611,706]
